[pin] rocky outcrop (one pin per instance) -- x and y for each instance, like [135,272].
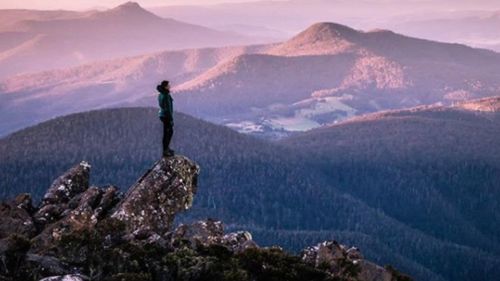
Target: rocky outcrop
[341,261]
[211,232]
[165,190]
[64,189]
[82,232]
[82,213]
[15,217]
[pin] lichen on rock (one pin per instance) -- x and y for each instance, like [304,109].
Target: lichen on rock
[59,194]
[152,202]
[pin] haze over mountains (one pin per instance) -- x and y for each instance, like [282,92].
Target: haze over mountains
[479,29]
[448,21]
[104,84]
[325,74]
[294,15]
[415,188]
[39,40]
[330,72]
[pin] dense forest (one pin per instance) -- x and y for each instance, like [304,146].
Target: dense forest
[419,191]
[426,167]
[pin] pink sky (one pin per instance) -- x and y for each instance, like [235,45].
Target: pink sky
[88,4]
[91,4]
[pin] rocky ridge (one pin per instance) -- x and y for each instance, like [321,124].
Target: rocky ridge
[82,232]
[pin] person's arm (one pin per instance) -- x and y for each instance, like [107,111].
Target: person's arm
[170,108]
[160,102]
[160,97]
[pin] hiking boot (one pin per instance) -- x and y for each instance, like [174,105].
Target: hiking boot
[169,153]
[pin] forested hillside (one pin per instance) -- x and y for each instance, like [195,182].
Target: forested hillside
[288,195]
[427,166]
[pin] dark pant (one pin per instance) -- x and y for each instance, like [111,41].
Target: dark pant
[168,131]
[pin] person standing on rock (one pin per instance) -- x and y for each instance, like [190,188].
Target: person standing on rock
[166,115]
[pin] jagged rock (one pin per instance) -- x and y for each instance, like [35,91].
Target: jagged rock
[15,217]
[328,252]
[239,241]
[62,190]
[73,182]
[66,278]
[83,216]
[162,192]
[338,261]
[198,233]
[354,253]
[24,201]
[88,208]
[211,232]
[109,199]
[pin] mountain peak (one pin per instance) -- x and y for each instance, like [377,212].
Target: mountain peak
[328,30]
[319,39]
[130,10]
[129,6]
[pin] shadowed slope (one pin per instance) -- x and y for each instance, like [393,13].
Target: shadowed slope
[248,183]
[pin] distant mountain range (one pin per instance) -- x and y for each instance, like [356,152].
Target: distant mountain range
[470,23]
[294,15]
[325,74]
[416,188]
[33,98]
[475,30]
[330,72]
[40,40]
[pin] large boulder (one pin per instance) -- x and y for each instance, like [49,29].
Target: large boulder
[152,203]
[81,213]
[63,189]
[15,217]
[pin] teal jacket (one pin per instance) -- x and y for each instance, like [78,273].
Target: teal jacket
[165,101]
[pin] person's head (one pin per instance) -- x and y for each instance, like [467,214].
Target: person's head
[165,85]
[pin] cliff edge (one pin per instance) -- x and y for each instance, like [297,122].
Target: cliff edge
[82,232]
